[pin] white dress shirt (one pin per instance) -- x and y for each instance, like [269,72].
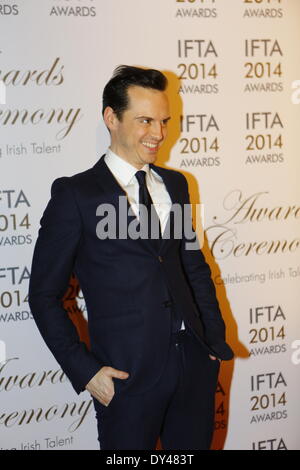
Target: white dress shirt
[124,173]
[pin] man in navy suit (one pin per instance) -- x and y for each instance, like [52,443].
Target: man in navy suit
[156,331]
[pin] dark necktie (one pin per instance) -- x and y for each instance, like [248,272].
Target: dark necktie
[145,199]
[148,214]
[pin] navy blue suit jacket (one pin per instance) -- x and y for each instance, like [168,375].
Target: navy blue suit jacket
[125,283]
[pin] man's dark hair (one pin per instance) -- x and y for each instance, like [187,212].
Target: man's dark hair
[115,92]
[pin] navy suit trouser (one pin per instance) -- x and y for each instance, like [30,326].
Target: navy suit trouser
[179,408]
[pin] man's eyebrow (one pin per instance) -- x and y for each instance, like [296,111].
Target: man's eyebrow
[144,117]
[151,119]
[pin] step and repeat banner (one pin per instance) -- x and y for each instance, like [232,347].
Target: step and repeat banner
[234,72]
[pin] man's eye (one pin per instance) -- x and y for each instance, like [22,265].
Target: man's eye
[145,121]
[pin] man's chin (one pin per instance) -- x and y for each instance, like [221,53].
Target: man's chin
[153,159]
[150,158]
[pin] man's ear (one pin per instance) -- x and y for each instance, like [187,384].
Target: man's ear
[110,118]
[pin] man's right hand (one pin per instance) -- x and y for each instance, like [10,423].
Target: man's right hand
[101,386]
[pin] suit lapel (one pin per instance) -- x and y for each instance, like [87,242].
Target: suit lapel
[107,182]
[112,191]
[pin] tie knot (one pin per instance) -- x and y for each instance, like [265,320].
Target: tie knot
[141,177]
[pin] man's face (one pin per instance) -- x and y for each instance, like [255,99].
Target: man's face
[143,127]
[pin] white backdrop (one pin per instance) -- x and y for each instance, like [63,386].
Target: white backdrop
[237,142]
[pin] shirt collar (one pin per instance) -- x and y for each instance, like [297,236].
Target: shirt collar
[121,169]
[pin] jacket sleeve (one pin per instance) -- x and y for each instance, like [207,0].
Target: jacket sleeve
[53,260]
[198,275]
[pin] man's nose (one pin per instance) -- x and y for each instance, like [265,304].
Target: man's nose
[157,131]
